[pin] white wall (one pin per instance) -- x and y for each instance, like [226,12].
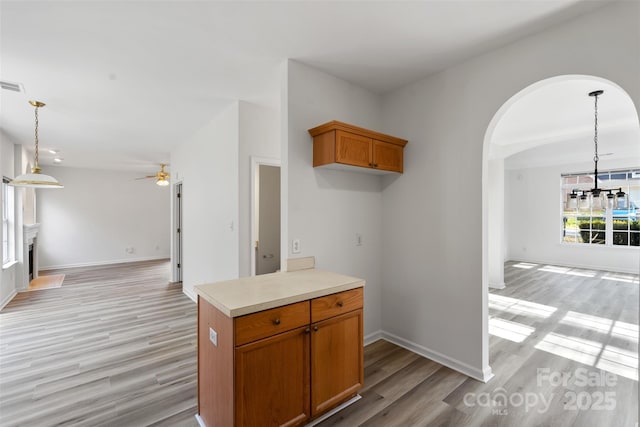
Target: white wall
[434,254]
[97,215]
[207,165]
[532,202]
[326,208]
[259,135]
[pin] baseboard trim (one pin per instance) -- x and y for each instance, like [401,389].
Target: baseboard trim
[101,263]
[632,270]
[8,299]
[192,295]
[497,286]
[483,375]
[373,337]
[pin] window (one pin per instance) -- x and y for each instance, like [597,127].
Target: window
[610,227]
[8,224]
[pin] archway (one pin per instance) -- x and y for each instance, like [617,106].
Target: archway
[562,107]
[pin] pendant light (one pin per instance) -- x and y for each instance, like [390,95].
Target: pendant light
[597,198]
[36,179]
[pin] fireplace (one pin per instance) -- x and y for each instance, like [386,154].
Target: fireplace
[30,254]
[30,262]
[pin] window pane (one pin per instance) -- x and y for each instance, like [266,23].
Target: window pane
[585,179]
[620,223]
[597,237]
[620,226]
[620,239]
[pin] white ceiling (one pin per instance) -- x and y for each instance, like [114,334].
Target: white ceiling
[125,82]
[554,123]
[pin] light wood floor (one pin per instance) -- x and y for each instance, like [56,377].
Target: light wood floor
[113,346]
[560,317]
[116,346]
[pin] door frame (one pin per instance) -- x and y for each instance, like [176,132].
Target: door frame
[178,243]
[256,162]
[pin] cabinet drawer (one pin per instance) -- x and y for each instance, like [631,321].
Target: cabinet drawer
[335,304]
[266,323]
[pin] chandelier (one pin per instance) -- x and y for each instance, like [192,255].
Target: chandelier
[36,179]
[597,198]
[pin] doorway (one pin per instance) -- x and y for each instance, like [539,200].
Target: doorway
[265,235]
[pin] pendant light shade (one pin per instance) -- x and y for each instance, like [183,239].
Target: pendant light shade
[36,179]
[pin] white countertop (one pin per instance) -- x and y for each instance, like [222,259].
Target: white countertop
[251,294]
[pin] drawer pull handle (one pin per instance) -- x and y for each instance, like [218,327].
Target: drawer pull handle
[340,303]
[276,322]
[315,329]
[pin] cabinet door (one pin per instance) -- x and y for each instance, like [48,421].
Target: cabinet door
[352,149]
[387,156]
[272,380]
[337,365]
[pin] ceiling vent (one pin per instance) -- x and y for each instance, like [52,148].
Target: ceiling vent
[16,87]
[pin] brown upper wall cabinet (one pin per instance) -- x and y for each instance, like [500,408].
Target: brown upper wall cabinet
[336,143]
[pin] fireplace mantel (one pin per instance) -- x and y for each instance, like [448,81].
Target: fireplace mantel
[30,232]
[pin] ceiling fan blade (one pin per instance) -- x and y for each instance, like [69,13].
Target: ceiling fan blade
[146,177]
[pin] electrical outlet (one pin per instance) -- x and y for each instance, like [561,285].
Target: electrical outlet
[295,246]
[213,336]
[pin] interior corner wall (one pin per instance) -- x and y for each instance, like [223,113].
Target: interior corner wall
[532,200]
[206,164]
[326,208]
[432,260]
[259,136]
[97,215]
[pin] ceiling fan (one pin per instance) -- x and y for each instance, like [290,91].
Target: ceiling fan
[162,177]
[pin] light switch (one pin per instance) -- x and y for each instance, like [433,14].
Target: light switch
[213,336]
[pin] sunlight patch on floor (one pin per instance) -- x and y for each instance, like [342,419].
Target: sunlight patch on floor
[518,306]
[525,265]
[608,358]
[512,331]
[577,349]
[555,269]
[618,329]
[619,361]
[618,277]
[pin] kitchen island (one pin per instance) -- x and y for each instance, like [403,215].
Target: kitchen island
[278,349]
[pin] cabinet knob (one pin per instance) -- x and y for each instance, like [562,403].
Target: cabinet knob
[315,329]
[306,331]
[371,164]
[340,303]
[375,165]
[276,322]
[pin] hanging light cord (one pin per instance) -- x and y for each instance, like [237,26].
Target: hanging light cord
[595,142]
[36,155]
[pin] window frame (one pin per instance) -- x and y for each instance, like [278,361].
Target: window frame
[8,222]
[608,230]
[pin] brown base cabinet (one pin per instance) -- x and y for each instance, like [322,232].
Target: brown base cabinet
[283,366]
